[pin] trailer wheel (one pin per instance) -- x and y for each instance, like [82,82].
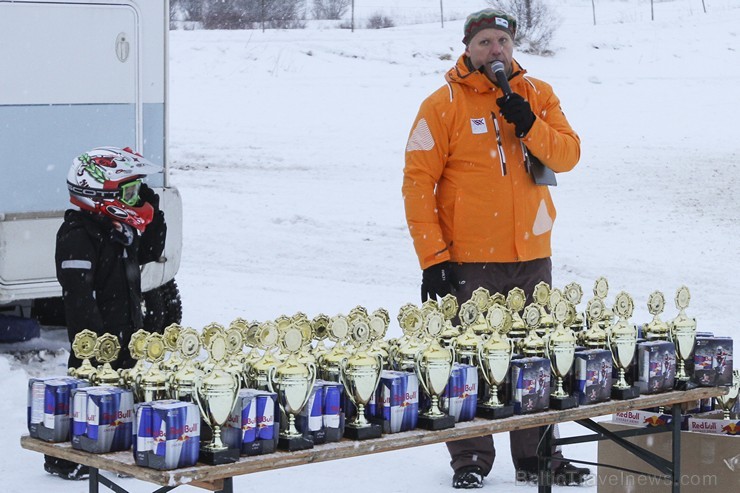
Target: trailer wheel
[162,306]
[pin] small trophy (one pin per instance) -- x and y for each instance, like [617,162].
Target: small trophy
[561,349]
[137,349]
[330,363]
[622,340]
[448,306]
[433,368]
[601,290]
[379,321]
[573,293]
[515,301]
[727,401]
[683,335]
[541,299]
[533,344]
[292,381]
[182,383]
[216,394]
[83,347]
[482,299]
[319,333]
[403,353]
[594,337]
[360,376]
[170,336]
[494,357]
[266,338]
[107,348]
[151,385]
[656,329]
[467,343]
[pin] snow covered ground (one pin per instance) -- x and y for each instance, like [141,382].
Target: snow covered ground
[287,147]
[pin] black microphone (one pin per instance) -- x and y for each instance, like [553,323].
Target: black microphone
[500,72]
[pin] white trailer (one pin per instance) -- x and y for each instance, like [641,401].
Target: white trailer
[77,74]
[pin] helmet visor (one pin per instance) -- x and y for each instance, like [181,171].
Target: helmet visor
[129,194]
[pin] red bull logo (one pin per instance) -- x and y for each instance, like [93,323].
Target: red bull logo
[655,421]
[731,429]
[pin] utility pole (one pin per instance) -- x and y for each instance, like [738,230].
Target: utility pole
[441,14]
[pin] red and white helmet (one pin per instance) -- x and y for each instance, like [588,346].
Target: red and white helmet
[106,180]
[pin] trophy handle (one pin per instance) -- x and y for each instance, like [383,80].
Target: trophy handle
[342,370]
[482,362]
[237,382]
[270,376]
[392,352]
[312,372]
[609,344]
[417,370]
[196,396]
[379,358]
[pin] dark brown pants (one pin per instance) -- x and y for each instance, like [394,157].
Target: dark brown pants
[498,278]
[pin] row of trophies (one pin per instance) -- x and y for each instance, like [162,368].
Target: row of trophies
[288,354]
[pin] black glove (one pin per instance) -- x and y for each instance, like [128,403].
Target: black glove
[436,280]
[515,109]
[146,194]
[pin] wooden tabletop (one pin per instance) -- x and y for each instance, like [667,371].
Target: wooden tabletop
[211,477]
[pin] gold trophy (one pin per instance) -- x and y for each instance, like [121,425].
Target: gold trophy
[379,321]
[319,333]
[151,385]
[292,381]
[561,350]
[683,335]
[494,357]
[265,337]
[601,290]
[433,368]
[533,344]
[594,337]
[182,383]
[727,401]
[573,294]
[541,299]
[107,349]
[137,349]
[330,363]
[515,302]
[403,353]
[170,336]
[448,306]
[216,394]
[656,329]
[83,347]
[482,299]
[467,343]
[360,375]
[622,340]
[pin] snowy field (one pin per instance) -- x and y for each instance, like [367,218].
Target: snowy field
[288,148]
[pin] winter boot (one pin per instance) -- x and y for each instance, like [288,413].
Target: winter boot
[468,477]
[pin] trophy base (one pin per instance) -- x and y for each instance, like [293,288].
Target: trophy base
[216,457]
[567,402]
[684,385]
[435,422]
[494,412]
[292,444]
[362,433]
[624,394]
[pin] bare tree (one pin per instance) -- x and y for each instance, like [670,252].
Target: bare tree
[536,24]
[329,9]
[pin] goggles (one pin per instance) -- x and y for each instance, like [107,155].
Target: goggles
[129,193]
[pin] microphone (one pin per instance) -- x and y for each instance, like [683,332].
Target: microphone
[500,72]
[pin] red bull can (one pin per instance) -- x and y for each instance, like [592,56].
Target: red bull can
[266,429]
[332,408]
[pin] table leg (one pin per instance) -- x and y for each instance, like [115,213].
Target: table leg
[93,480]
[676,451]
[228,486]
[544,461]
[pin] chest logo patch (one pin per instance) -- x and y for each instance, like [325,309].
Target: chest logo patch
[478,125]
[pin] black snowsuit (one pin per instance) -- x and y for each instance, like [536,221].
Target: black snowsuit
[98,267]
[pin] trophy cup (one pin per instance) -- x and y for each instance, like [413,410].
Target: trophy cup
[182,383]
[137,349]
[433,368]
[83,347]
[466,344]
[330,363]
[292,381]
[448,306]
[151,385]
[107,348]
[216,394]
[622,341]
[727,401]
[515,301]
[656,329]
[594,337]
[561,349]
[265,337]
[683,335]
[360,375]
[494,357]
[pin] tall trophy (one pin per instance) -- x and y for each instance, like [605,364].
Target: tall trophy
[494,357]
[182,383]
[561,350]
[727,401]
[433,368]
[107,349]
[683,335]
[292,381]
[622,340]
[360,376]
[656,329]
[216,394]
[83,347]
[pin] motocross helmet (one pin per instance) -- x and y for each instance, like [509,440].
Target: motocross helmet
[106,180]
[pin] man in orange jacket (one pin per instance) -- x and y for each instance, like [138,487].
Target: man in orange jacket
[474,211]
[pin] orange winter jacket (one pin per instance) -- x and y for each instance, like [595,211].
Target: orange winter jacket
[467,194]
